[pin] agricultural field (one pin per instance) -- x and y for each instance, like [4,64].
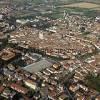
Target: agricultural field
[31,8]
[86,5]
[81,8]
[76,1]
[82,5]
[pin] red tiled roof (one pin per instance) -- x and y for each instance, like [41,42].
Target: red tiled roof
[19,88]
[1,88]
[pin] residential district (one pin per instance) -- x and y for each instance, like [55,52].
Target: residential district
[50,59]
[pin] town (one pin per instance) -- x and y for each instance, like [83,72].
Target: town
[49,59]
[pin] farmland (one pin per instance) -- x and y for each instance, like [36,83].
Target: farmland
[31,8]
[82,5]
[82,8]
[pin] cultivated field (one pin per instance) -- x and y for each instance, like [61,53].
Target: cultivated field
[82,5]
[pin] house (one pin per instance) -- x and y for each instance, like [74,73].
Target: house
[34,77]
[97,98]
[8,73]
[46,72]
[56,66]
[19,88]
[7,54]
[63,96]
[31,84]
[7,93]
[52,95]
[1,89]
[11,67]
[73,88]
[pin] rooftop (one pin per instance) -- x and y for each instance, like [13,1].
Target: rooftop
[7,54]
[38,66]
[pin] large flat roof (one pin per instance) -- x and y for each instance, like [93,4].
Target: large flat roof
[38,66]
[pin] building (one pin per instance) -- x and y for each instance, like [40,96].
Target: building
[8,73]
[19,88]
[8,94]
[41,36]
[38,66]
[1,89]
[7,54]
[63,97]
[31,84]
